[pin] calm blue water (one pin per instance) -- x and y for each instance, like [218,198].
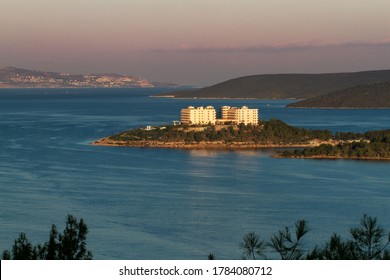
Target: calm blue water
[171,204]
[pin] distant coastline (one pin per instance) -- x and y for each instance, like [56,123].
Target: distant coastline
[217,98]
[340,108]
[11,77]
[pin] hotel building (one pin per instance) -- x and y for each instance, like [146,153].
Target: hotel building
[239,115]
[199,115]
[207,115]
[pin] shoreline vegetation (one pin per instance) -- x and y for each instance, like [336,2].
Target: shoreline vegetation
[308,143]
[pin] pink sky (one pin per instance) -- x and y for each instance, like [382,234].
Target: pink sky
[197,42]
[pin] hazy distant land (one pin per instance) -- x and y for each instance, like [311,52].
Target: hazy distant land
[11,77]
[368,89]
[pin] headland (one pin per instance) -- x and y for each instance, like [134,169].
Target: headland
[309,144]
[266,134]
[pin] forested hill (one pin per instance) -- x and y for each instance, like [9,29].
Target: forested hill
[375,95]
[284,86]
[11,77]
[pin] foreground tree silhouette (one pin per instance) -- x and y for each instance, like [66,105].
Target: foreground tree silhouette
[21,250]
[368,239]
[334,249]
[252,245]
[288,247]
[211,257]
[71,245]
[52,248]
[368,242]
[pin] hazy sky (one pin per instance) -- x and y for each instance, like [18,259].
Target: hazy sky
[198,42]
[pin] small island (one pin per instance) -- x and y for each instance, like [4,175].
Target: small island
[310,144]
[266,134]
[240,128]
[229,128]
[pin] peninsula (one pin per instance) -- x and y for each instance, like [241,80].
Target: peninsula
[366,89]
[372,145]
[367,96]
[284,86]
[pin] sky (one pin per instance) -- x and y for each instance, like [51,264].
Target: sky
[195,42]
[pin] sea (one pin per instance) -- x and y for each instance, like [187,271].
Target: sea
[155,203]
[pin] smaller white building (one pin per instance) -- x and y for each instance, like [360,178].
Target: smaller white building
[240,115]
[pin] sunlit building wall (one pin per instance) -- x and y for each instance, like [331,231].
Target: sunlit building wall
[207,115]
[199,115]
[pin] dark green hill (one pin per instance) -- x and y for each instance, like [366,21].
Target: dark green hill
[375,95]
[284,86]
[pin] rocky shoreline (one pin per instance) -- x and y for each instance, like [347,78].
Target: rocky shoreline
[106,141]
[218,145]
[334,157]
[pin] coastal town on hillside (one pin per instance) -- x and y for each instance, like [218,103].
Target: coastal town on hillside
[11,77]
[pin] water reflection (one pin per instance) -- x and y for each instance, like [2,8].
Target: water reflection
[204,153]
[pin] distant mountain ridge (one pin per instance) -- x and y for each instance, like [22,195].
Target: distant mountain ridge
[376,95]
[11,77]
[285,86]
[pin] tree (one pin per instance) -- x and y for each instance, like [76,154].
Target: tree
[367,243]
[334,249]
[71,245]
[52,246]
[368,239]
[252,245]
[21,250]
[288,247]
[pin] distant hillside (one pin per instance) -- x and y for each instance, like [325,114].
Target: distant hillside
[11,77]
[375,95]
[285,86]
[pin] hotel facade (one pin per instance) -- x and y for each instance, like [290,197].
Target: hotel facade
[199,115]
[208,115]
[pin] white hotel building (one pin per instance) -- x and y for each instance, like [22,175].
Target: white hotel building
[199,115]
[208,115]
